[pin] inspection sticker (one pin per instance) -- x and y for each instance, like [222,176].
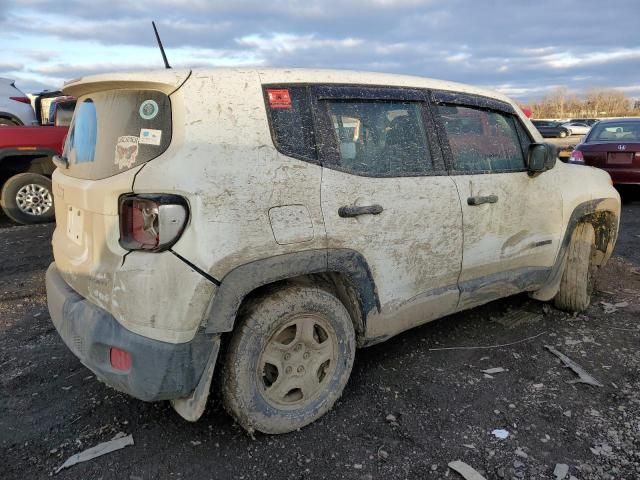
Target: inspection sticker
[149,136]
[126,151]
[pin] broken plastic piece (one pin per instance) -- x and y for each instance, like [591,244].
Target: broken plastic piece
[561,471]
[491,371]
[581,372]
[119,441]
[500,433]
[465,470]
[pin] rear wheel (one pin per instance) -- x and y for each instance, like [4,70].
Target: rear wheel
[27,198]
[289,360]
[577,280]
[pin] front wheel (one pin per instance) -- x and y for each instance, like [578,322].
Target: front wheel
[563,133]
[577,280]
[26,198]
[289,360]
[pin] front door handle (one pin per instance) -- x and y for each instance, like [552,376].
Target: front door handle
[479,200]
[353,211]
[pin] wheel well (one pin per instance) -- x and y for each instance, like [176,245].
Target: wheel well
[605,226]
[12,165]
[13,118]
[335,283]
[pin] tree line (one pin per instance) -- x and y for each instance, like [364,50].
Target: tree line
[595,103]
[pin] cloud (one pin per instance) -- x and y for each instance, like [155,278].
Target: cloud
[520,47]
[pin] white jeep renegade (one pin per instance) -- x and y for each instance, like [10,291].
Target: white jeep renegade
[285,217]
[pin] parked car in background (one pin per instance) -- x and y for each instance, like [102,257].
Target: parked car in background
[15,106]
[26,165]
[577,128]
[614,146]
[588,121]
[549,128]
[301,219]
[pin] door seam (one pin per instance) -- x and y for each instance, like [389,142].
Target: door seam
[463,242]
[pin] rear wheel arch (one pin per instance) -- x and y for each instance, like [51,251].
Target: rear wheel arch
[341,272]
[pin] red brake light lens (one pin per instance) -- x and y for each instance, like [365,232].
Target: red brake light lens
[576,157]
[120,359]
[21,100]
[151,222]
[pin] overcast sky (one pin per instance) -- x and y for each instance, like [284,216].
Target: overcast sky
[520,47]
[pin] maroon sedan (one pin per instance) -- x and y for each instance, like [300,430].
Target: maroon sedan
[614,146]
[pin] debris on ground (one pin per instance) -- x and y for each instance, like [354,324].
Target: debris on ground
[491,371]
[613,307]
[465,470]
[118,442]
[500,433]
[581,372]
[488,346]
[561,471]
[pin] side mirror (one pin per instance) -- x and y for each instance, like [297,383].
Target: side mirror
[541,157]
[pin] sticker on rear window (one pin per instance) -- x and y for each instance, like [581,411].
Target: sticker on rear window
[150,136]
[149,109]
[126,151]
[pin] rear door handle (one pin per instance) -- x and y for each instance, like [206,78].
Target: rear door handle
[479,200]
[353,211]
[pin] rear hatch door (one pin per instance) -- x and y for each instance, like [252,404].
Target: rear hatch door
[120,122]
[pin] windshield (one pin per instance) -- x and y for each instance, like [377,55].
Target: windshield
[615,132]
[116,130]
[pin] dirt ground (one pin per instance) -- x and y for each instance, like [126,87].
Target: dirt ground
[407,411]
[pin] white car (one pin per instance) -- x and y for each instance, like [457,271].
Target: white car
[15,106]
[577,128]
[286,217]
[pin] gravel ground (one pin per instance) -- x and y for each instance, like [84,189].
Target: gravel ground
[407,411]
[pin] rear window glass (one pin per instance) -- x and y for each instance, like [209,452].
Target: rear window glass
[291,121]
[615,132]
[117,130]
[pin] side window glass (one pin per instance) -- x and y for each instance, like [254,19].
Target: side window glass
[482,140]
[380,138]
[291,121]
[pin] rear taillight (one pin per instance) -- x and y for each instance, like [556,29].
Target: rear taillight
[576,157]
[21,99]
[151,222]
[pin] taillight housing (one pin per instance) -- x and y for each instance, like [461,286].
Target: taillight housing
[576,157]
[21,100]
[151,222]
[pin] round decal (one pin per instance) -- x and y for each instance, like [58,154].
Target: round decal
[149,109]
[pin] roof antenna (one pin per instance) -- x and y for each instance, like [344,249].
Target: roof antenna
[164,57]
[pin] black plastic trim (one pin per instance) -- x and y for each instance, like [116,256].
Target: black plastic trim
[237,284]
[471,100]
[159,371]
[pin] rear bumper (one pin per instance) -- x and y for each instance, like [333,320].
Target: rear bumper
[159,370]
[624,177]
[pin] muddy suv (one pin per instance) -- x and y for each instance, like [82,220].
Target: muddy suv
[286,217]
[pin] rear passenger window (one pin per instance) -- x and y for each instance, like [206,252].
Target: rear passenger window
[380,138]
[291,121]
[481,140]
